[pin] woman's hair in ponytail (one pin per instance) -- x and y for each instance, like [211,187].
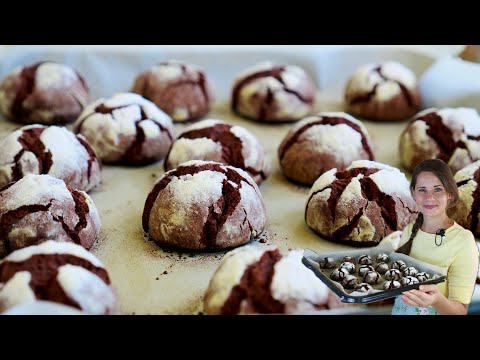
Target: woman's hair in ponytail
[405,249]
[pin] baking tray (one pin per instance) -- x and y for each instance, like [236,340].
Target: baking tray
[147,278]
[310,260]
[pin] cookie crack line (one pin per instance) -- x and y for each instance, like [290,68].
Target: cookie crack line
[27,85]
[11,217]
[30,141]
[227,204]
[343,178]
[232,146]
[275,72]
[45,285]
[181,171]
[366,97]
[254,288]
[386,203]
[442,135]
[327,120]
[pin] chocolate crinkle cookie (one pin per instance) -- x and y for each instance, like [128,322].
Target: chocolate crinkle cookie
[467,211]
[45,92]
[58,272]
[37,208]
[273,93]
[361,205]
[214,140]
[322,142]
[182,90]
[53,150]
[204,205]
[126,129]
[262,280]
[449,134]
[383,92]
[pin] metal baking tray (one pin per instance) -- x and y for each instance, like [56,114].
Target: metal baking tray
[310,260]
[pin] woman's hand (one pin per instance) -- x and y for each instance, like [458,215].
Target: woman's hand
[430,295]
[426,295]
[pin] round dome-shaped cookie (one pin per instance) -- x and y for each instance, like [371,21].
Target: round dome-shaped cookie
[45,92]
[182,90]
[361,205]
[261,280]
[322,142]
[204,205]
[339,274]
[449,134]
[58,272]
[467,211]
[37,208]
[385,92]
[391,284]
[327,263]
[51,150]
[273,93]
[215,140]
[126,129]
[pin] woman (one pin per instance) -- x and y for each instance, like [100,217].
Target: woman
[434,190]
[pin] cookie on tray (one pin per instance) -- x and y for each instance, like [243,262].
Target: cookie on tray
[269,92]
[322,142]
[383,91]
[215,140]
[204,205]
[62,273]
[449,134]
[262,280]
[38,208]
[45,92]
[180,89]
[51,150]
[126,129]
[361,205]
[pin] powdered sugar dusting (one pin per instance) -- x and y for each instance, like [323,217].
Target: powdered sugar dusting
[185,149]
[68,155]
[167,72]
[389,179]
[203,124]
[323,181]
[370,164]
[89,291]
[51,75]
[259,67]
[467,172]
[467,118]
[398,72]
[294,281]
[341,140]
[365,79]
[16,291]
[392,182]
[184,189]
[53,247]
[34,189]
[229,273]
[255,152]
[112,134]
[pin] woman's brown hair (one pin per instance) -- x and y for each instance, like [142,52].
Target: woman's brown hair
[442,171]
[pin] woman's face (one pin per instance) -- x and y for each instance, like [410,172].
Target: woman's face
[430,195]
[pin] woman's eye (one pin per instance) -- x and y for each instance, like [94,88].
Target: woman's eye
[438,190]
[421,190]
